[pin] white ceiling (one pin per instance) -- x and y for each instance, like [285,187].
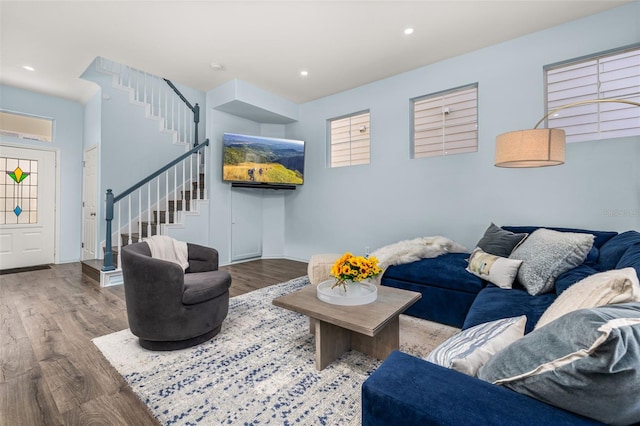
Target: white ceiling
[342,44]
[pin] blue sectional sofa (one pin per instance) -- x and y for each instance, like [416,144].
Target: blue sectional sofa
[410,391]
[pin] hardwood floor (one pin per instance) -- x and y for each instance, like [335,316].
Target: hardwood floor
[50,371]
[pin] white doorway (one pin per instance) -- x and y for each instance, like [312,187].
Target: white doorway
[90,203]
[27,207]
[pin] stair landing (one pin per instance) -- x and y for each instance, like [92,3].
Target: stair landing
[91,268]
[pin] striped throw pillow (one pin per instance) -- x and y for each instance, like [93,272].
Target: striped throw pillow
[470,349]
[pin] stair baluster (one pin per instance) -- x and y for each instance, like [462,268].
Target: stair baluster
[129,218]
[118,237]
[150,90]
[140,212]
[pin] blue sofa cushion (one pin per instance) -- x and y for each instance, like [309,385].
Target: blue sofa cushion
[630,258]
[601,237]
[445,271]
[494,303]
[436,304]
[615,248]
[572,276]
[406,390]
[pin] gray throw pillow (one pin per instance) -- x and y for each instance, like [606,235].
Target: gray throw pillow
[546,254]
[586,362]
[499,241]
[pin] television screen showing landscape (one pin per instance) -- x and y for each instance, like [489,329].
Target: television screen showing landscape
[262,160]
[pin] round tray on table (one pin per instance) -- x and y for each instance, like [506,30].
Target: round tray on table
[360,293]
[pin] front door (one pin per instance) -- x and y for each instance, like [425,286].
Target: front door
[27,207]
[89,203]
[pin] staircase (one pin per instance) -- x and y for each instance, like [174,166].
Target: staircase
[176,207]
[166,198]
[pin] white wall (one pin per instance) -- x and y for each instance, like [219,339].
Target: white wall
[396,197]
[68,142]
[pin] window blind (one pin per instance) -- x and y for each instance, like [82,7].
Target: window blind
[350,140]
[616,76]
[446,123]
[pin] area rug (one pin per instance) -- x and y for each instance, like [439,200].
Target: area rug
[260,369]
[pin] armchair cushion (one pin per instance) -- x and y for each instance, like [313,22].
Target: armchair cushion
[201,258]
[205,286]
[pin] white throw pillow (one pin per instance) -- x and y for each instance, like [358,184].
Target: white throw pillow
[605,288]
[470,349]
[495,269]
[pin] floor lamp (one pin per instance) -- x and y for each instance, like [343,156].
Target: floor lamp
[539,147]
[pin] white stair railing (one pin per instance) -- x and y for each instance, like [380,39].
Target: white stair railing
[158,97]
[178,181]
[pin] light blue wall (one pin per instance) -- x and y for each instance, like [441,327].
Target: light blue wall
[396,197]
[68,142]
[92,121]
[267,204]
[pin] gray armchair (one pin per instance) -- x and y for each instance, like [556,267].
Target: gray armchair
[170,309]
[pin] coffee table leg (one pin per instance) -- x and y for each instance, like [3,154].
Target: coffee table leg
[380,345]
[331,342]
[312,325]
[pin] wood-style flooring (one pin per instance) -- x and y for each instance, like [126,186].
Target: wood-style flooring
[50,371]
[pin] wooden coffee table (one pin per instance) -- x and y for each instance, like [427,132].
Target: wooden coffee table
[373,329]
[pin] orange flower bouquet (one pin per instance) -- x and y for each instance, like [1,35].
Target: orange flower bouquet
[354,268]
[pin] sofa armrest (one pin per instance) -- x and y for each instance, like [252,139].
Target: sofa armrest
[409,391]
[201,258]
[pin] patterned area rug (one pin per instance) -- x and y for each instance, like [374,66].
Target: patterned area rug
[260,369]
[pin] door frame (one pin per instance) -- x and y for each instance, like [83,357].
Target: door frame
[97,245]
[56,218]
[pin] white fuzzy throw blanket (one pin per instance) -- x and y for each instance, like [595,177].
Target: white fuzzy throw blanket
[408,251]
[166,248]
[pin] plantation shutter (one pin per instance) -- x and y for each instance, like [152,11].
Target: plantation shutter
[605,77]
[446,123]
[350,140]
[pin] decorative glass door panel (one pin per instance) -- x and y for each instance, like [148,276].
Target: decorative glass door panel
[18,191]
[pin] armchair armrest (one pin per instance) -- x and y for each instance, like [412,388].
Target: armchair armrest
[201,258]
[409,391]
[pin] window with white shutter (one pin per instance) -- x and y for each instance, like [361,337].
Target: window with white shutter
[349,140]
[445,123]
[605,76]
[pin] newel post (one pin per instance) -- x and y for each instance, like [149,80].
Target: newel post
[108,252]
[196,120]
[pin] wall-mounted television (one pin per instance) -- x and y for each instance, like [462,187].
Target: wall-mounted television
[262,162]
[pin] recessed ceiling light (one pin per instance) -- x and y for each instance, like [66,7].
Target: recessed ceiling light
[304,73]
[408,31]
[217,67]
[28,68]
